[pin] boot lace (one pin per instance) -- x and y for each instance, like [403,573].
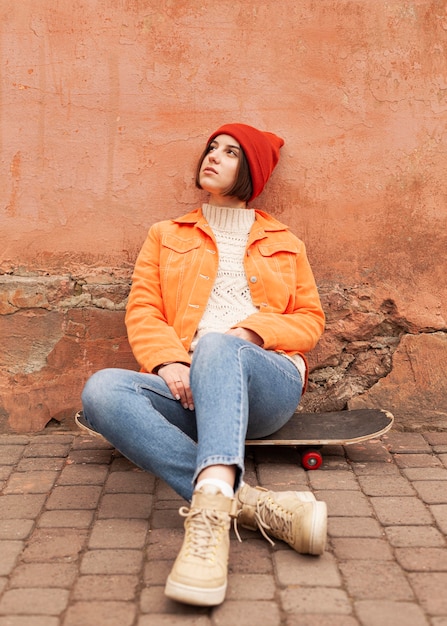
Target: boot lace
[204,531]
[271,517]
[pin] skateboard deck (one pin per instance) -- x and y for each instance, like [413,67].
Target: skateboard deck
[313,430]
[310,431]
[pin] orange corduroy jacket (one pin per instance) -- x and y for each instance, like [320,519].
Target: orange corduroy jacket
[174,276]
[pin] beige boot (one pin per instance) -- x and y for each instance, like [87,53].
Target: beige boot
[294,517]
[199,574]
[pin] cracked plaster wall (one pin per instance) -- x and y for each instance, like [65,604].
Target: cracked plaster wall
[104,110]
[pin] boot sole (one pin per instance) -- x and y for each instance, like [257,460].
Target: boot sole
[318,532]
[82,424]
[198,596]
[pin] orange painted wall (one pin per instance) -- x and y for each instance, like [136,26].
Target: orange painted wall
[105,107]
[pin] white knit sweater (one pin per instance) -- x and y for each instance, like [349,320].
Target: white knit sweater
[230,300]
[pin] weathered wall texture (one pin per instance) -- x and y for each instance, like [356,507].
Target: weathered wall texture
[104,109]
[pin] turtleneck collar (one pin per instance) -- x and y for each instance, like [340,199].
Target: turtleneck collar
[228,218]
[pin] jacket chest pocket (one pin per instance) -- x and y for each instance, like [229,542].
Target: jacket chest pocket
[278,266]
[177,252]
[279,257]
[180,260]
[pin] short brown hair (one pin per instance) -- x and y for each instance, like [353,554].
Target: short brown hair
[242,187]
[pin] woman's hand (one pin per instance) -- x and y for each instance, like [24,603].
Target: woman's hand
[176,376]
[245,333]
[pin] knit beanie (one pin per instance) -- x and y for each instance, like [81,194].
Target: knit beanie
[261,149]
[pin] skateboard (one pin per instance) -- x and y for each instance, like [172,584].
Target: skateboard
[311,431]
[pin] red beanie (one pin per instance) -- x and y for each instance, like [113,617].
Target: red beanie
[261,149]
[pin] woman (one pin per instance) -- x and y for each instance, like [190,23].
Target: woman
[222,309]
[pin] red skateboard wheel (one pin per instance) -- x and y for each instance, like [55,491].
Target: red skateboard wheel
[311,460]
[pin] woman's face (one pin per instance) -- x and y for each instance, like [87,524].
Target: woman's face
[220,166]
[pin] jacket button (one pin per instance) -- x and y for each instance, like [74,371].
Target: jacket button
[253,279]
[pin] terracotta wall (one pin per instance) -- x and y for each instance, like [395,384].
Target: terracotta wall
[104,109]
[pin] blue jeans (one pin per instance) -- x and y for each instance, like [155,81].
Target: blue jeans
[239,389]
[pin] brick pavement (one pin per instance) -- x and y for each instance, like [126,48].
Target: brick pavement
[86,539]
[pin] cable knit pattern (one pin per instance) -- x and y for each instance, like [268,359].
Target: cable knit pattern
[230,299]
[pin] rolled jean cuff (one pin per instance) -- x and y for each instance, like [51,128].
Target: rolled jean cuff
[222,460]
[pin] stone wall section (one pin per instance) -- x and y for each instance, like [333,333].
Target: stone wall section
[55,331]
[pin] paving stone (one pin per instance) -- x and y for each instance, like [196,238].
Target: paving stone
[432,491]
[164,543]
[111,562]
[89,474]
[55,438]
[372,450]
[392,486]
[100,457]
[417,460]
[328,480]
[34,601]
[372,580]
[15,529]
[14,440]
[250,557]
[401,511]
[415,536]
[439,512]
[74,497]
[153,600]
[51,574]
[46,449]
[345,503]
[422,559]
[156,572]
[24,506]
[10,455]
[426,473]
[310,571]
[135,481]
[248,613]
[375,469]
[379,613]
[361,548]
[281,474]
[322,620]
[41,464]
[430,590]
[90,442]
[10,552]
[165,492]
[407,443]
[120,464]
[29,620]
[174,620]
[354,527]
[31,482]
[5,471]
[66,519]
[54,544]
[106,587]
[158,619]
[117,533]
[112,614]
[436,438]
[308,600]
[125,505]
[250,587]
